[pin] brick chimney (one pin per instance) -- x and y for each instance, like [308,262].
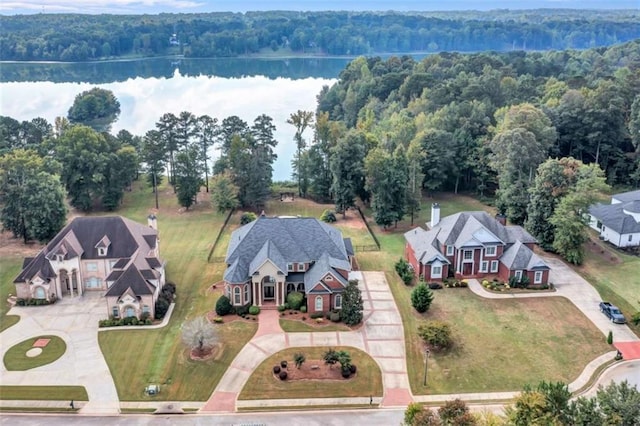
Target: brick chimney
[502,219]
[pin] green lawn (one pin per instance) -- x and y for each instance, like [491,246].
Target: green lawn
[46,393]
[9,269]
[15,359]
[497,348]
[137,358]
[262,384]
[615,275]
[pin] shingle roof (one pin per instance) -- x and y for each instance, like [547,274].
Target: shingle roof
[130,279]
[613,216]
[268,252]
[291,240]
[38,265]
[519,256]
[625,197]
[319,270]
[425,245]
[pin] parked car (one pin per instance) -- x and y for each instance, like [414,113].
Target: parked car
[612,312]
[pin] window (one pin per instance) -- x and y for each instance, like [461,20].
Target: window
[93,282]
[537,278]
[468,255]
[436,271]
[115,312]
[39,293]
[494,266]
[301,287]
[237,297]
[338,302]
[449,250]
[490,251]
[60,257]
[246,293]
[518,275]
[102,251]
[291,287]
[130,312]
[301,267]
[484,265]
[290,267]
[92,267]
[328,278]
[146,309]
[227,291]
[318,303]
[630,239]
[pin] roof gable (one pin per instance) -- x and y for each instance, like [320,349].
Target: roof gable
[130,279]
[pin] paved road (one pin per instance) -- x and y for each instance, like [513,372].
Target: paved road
[76,321]
[381,336]
[628,370]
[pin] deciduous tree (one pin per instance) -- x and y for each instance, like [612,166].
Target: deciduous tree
[352,305]
[97,108]
[199,335]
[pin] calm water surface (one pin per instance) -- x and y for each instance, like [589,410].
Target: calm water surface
[147,89]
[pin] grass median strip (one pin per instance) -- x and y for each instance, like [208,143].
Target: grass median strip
[43,393]
[17,358]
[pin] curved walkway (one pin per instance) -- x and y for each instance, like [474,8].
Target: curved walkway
[82,364]
[381,336]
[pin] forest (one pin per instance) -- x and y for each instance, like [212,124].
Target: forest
[95,37]
[539,134]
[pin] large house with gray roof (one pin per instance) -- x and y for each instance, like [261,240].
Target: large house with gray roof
[618,222]
[473,245]
[273,256]
[112,255]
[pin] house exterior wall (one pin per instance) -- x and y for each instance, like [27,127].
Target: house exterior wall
[429,278]
[327,303]
[630,240]
[146,300]
[504,273]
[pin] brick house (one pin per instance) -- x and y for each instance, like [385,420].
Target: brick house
[111,254]
[273,256]
[473,245]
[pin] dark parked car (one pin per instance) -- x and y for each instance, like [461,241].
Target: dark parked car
[612,312]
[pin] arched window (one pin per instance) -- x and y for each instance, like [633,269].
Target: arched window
[246,293]
[130,312]
[115,311]
[318,303]
[301,287]
[237,297]
[291,287]
[338,301]
[39,293]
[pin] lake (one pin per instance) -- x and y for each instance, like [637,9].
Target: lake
[149,88]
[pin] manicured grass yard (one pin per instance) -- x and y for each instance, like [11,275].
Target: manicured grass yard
[46,393]
[138,358]
[501,344]
[9,269]
[15,359]
[262,384]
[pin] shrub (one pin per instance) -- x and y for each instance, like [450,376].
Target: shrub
[451,411]
[410,413]
[303,309]
[276,369]
[330,357]
[148,321]
[335,316]
[169,287]
[353,369]
[304,318]
[242,310]
[162,306]
[435,286]
[247,217]
[404,270]
[286,306]
[464,284]
[283,364]
[352,304]
[299,359]
[421,298]
[345,372]
[295,299]
[223,306]
[283,375]
[635,319]
[254,310]
[280,308]
[218,320]
[610,337]
[328,216]
[436,334]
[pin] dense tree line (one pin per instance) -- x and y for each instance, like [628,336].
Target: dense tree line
[487,123]
[90,37]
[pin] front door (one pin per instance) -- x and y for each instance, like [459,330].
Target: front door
[268,292]
[467,269]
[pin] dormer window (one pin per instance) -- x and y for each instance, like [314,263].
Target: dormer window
[102,252]
[60,257]
[103,246]
[290,267]
[301,267]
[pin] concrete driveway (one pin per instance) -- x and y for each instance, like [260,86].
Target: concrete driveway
[74,320]
[586,298]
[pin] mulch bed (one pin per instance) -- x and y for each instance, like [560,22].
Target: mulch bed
[314,369]
[297,316]
[231,318]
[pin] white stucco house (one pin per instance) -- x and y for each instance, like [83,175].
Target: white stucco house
[618,222]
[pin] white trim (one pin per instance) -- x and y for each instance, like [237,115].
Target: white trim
[537,277]
[237,293]
[321,300]
[484,266]
[494,266]
[437,274]
[493,253]
[450,250]
[518,274]
[464,255]
[335,301]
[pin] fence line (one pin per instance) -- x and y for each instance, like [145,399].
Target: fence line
[375,239]
[217,240]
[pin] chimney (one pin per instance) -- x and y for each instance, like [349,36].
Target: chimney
[502,219]
[152,221]
[435,214]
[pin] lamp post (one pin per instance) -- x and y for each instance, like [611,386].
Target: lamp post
[426,365]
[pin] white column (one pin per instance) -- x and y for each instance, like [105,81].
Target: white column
[277,293]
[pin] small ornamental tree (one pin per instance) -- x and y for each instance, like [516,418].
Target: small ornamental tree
[404,271]
[223,306]
[328,216]
[344,358]
[421,298]
[452,411]
[295,299]
[330,357]
[299,359]
[199,335]
[352,305]
[247,217]
[436,334]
